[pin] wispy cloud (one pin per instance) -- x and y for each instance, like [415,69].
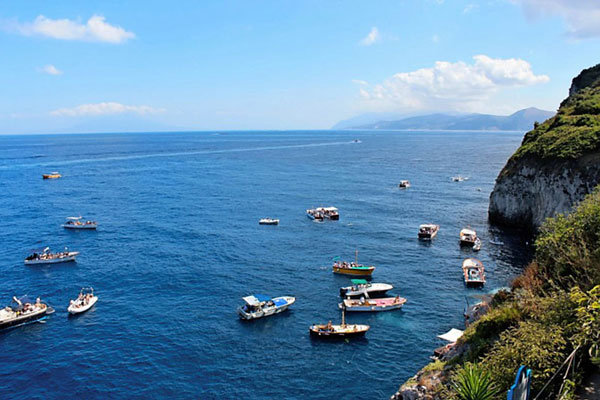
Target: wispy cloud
[50,70]
[372,37]
[469,7]
[359,82]
[96,29]
[582,17]
[107,108]
[451,86]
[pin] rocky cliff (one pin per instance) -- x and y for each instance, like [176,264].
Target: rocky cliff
[557,164]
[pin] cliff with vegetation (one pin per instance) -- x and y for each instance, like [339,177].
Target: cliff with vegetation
[551,312]
[557,164]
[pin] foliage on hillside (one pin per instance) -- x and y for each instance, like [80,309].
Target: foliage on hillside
[575,129]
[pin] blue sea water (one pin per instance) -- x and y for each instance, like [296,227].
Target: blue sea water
[178,245]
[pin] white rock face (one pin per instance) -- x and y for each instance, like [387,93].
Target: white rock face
[528,191]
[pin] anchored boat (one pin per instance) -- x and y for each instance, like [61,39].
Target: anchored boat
[23,310]
[352,268]
[45,256]
[360,286]
[404,184]
[77,223]
[366,304]
[342,331]
[428,231]
[268,221]
[321,213]
[83,302]
[468,237]
[477,245]
[260,305]
[474,272]
[52,175]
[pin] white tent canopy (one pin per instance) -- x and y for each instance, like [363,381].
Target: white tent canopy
[452,335]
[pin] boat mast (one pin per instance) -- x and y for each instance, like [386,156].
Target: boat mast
[356,257]
[343,314]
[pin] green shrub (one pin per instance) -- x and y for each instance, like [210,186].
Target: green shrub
[471,382]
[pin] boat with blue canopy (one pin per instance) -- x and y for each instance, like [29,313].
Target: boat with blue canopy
[260,305]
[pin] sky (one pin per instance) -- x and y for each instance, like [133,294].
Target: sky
[79,66]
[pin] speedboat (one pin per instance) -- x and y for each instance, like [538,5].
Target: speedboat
[477,245]
[404,184]
[83,302]
[77,223]
[360,286]
[321,213]
[260,305]
[428,231]
[474,272]
[45,256]
[467,237]
[342,331]
[268,221]
[356,141]
[459,178]
[51,175]
[366,304]
[23,310]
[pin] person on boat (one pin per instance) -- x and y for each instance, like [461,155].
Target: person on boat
[397,299]
[329,326]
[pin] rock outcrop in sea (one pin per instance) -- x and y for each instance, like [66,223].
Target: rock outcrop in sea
[557,164]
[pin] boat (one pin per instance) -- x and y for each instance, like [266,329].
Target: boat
[477,245]
[497,242]
[356,141]
[260,305]
[83,302]
[365,304]
[467,237]
[474,272]
[428,231]
[45,256]
[321,213]
[268,221]
[342,331]
[352,268]
[459,178]
[23,310]
[404,184]
[77,223]
[52,175]
[360,286]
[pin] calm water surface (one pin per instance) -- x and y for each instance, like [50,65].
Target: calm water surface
[179,244]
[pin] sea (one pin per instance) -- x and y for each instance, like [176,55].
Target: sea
[178,245]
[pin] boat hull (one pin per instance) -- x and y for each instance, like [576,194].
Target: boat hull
[353,271]
[87,226]
[275,222]
[24,319]
[78,310]
[266,313]
[349,294]
[427,236]
[474,284]
[467,243]
[367,308]
[316,332]
[69,258]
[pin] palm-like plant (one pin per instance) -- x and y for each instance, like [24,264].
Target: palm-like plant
[472,382]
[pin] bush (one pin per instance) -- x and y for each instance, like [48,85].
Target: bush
[471,382]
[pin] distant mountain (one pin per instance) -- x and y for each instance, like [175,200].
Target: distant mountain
[368,118]
[519,121]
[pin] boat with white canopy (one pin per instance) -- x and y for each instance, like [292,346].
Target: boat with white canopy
[360,286]
[468,237]
[78,223]
[260,305]
[83,302]
[45,256]
[428,231]
[474,272]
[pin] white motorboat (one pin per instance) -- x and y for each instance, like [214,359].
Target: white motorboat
[467,237]
[45,256]
[459,178]
[83,302]
[428,231]
[23,311]
[260,305]
[404,184]
[474,272]
[77,223]
[360,286]
[268,221]
[320,213]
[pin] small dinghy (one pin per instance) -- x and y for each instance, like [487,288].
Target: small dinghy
[477,245]
[23,310]
[77,223]
[51,175]
[45,256]
[268,221]
[365,304]
[342,331]
[260,305]
[360,286]
[83,302]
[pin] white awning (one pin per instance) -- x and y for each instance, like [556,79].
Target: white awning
[251,300]
[467,231]
[452,335]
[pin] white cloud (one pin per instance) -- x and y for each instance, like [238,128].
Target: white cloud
[359,82]
[96,29]
[451,86]
[470,7]
[372,37]
[108,108]
[50,70]
[582,17]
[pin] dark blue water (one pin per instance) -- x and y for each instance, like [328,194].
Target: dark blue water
[179,244]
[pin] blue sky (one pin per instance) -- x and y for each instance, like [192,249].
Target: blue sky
[69,66]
